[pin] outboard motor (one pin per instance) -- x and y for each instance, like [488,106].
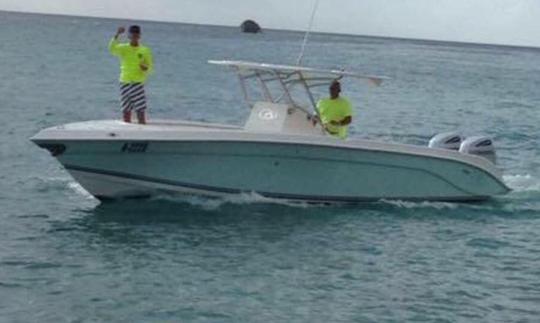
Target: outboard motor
[447,140]
[481,146]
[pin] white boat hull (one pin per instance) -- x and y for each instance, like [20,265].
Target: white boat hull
[300,168]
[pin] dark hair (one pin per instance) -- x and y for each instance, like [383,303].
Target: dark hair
[335,84]
[134,29]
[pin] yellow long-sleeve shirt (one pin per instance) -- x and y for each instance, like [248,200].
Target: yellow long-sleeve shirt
[131,58]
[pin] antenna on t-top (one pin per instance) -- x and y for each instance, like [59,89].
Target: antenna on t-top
[308,32]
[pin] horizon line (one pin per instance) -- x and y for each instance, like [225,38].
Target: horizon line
[455,42]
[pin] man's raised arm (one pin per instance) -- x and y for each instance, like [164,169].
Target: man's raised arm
[113,44]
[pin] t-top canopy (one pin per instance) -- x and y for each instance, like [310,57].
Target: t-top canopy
[286,77]
[250,67]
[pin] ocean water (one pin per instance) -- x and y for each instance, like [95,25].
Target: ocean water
[64,257]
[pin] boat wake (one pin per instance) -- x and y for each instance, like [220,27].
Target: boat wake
[522,183]
[61,183]
[421,205]
[525,196]
[77,188]
[48,183]
[216,203]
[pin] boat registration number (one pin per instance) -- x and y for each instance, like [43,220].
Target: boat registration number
[135,147]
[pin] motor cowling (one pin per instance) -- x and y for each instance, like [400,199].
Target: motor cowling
[481,146]
[447,140]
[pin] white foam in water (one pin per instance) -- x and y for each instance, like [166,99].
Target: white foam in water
[522,183]
[254,198]
[74,186]
[44,183]
[414,205]
[236,199]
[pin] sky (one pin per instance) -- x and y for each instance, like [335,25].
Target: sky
[509,22]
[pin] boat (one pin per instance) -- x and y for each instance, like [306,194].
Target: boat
[279,153]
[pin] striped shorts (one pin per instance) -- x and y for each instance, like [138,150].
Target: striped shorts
[133,97]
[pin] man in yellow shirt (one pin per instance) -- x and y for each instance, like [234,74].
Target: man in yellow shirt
[336,112]
[136,63]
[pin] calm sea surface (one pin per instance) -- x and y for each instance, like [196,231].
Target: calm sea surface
[66,258]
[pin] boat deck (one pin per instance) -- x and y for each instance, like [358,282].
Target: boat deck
[152,125]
